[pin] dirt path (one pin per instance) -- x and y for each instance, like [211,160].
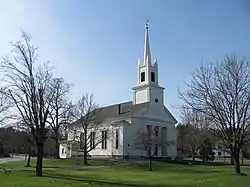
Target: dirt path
[11,159]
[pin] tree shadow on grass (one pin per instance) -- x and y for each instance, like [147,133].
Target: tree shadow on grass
[106,182]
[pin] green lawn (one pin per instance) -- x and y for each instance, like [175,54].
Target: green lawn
[228,160]
[70,173]
[57,163]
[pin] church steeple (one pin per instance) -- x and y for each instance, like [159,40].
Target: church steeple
[147,54]
[148,89]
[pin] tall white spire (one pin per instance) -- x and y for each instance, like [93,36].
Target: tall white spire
[148,89]
[147,55]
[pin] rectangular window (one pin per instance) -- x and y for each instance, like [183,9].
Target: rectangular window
[62,151]
[92,140]
[152,76]
[104,139]
[117,138]
[142,76]
[149,130]
[156,131]
[81,140]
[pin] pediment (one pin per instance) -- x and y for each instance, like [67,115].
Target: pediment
[157,113]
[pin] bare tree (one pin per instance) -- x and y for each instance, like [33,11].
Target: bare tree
[195,126]
[222,92]
[4,106]
[192,131]
[60,115]
[93,130]
[29,89]
[150,144]
[189,140]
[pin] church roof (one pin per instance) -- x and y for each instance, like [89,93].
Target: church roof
[124,109]
[119,110]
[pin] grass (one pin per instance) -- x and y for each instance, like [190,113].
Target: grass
[228,160]
[225,161]
[57,163]
[59,173]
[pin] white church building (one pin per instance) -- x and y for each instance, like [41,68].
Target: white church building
[146,112]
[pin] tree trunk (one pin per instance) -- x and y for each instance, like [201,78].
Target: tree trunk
[232,159]
[85,156]
[150,163]
[237,163]
[39,161]
[28,161]
[85,149]
[57,146]
[57,134]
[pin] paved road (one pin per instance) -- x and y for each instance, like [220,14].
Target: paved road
[11,159]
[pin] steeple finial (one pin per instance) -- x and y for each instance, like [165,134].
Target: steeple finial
[147,55]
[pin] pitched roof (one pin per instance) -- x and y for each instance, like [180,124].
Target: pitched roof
[124,109]
[119,110]
[171,117]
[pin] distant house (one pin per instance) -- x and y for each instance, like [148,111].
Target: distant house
[221,150]
[146,112]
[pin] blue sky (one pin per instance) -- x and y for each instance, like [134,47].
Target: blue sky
[95,44]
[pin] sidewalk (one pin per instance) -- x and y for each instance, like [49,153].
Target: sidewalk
[11,159]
